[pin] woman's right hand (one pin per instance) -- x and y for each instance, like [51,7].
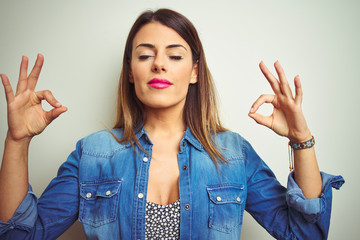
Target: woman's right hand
[26,117]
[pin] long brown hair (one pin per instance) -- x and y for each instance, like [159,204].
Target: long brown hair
[200,111]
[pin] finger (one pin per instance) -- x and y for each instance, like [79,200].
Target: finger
[9,94]
[274,83]
[35,72]
[284,84]
[298,90]
[54,113]
[260,101]
[263,120]
[22,83]
[49,97]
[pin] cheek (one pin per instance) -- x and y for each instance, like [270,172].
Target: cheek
[184,71]
[137,71]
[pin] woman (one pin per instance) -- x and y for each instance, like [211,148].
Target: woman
[168,169]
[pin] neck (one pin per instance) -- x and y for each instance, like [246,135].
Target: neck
[164,121]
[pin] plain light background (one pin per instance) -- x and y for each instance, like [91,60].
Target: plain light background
[83,42]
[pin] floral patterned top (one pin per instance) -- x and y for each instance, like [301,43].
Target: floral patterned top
[162,221]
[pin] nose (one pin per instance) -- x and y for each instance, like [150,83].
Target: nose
[159,65]
[158,69]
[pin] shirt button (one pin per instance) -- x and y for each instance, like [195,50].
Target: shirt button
[238,199]
[187,206]
[145,159]
[108,193]
[184,144]
[140,195]
[218,199]
[88,195]
[185,167]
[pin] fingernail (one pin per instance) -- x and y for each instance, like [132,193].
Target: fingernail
[57,104]
[251,110]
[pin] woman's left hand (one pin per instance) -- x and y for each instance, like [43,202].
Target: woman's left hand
[287,118]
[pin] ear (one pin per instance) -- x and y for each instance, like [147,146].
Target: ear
[194,73]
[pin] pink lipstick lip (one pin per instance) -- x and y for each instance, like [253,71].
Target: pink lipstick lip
[159,83]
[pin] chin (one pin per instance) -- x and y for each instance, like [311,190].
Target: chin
[163,102]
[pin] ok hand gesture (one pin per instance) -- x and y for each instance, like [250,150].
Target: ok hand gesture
[287,118]
[26,117]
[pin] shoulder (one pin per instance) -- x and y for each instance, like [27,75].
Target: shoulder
[232,144]
[229,136]
[230,139]
[102,142]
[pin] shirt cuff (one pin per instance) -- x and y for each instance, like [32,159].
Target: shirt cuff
[312,208]
[25,215]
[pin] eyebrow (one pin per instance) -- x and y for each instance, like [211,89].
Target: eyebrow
[149,45]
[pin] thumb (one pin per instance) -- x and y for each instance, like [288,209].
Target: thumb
[262,120]
[54,113]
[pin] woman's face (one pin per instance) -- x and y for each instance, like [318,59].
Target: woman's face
[161,67]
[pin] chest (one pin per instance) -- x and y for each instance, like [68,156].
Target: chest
[163,186]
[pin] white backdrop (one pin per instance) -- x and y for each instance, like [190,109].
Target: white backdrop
[83,42]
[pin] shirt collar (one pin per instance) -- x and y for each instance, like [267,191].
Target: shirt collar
[141,133]
[188,136]
[192,139]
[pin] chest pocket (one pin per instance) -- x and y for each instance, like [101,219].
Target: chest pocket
[226,206]
[99,202]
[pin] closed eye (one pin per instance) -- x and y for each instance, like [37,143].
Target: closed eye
[176,57]
[144,57]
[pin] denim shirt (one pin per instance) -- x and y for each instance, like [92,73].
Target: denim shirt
[103,184]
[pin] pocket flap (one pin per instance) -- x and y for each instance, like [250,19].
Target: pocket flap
[226,194]
[105,189]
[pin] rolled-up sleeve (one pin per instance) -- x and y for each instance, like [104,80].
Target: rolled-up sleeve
[285,212]
[55,211]
[25,216]
[314,210]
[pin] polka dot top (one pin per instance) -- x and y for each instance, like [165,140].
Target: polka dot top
[162,221]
